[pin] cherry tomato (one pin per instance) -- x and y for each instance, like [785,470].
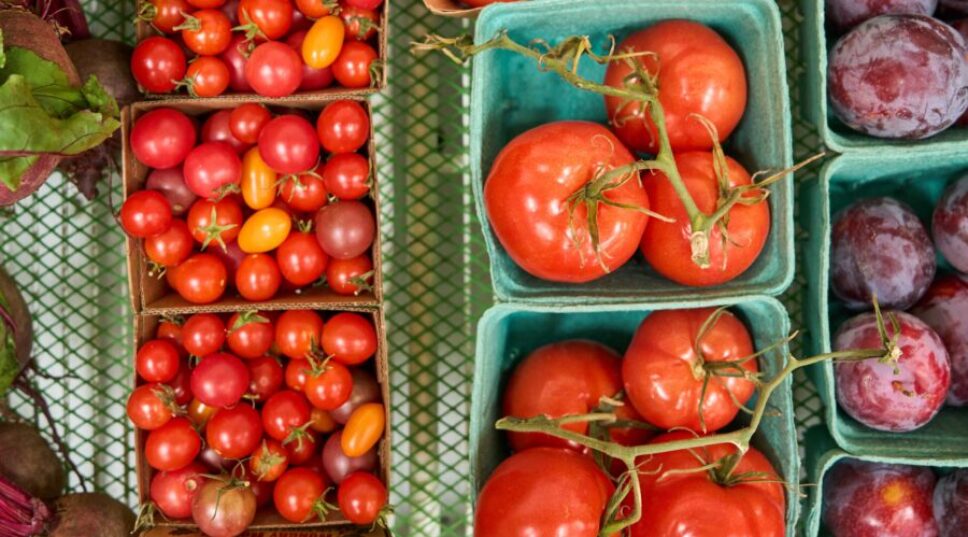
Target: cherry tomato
[271,18]
[157,360]
[312,79]
[157,64]
[207,76]
[234,433]
[162,138]
[171,183]
[283,413]
[543,491]
[262,489]
[685,499]
[343,127]
[250,334]
[274,70]
[349,338]
[322,421]
[222,510]
[200,279]
[217,221]
[365,4]
[172,446]
[297,332]
[269,461]
[304,193]
[211,169]
[361,23]
[347,176]
[345,229]
[170,328]
[258,277]
[361,497]
[150,406]
[258,181]
[206,4]
[661,365]
[697,73]
[315,9]
[217,128]
[353,67]
[207,32]
[247,121]
[329,388]
[235,57]
[182,385]
[302,448]
[173,492]
[266,375]
[363,430]
[164,15]
[264,231]
[299,495]
[323,42]
[172,246]
[297,371]
[666,245]
[200,413]
[350,276]
[146,213]
[220,380]
[526,198]
[288,144]
[203,334]
[301,260]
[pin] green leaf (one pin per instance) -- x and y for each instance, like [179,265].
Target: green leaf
[47,82]
[3,57]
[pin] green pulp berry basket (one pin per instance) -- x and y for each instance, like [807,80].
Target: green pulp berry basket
[918,182]
[823,454]
[817,38]
[510,94]
[507,333]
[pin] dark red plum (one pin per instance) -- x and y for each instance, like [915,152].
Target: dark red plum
[878,245]
[846,14]
[899,76]
[951,504]
[945,309]
[886,396]
[949,224]
[869,499]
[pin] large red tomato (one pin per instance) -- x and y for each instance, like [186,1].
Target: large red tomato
[569,377]
[666,245]
[526,196]
[664,374]
[697,73]
[543,491]
[709,503]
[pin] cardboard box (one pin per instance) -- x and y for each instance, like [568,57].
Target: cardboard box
[144,29]
[151,295]
[451,8]
[267,522]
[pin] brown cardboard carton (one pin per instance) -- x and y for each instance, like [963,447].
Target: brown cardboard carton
[144,29]
[151,294]
[267,522]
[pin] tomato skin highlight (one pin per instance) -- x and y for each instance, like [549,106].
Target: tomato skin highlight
[349,338]
[272,17]
[301,260]
[525,197]
[213,34]
[296,493]
[173,492]
[211,167]
[297,331]
[344,276]
[208,76]
[288,144]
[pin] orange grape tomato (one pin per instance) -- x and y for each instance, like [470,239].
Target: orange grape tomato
[264,231]
[363,430]
[258,181]
[323,42]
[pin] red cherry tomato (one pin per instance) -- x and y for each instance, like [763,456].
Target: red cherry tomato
[170,328]
[207,76]
[302,448]
[297,332]
[305,193]
[667,246]
[250,334]
[207,32]
[312,78]
[283,413]
[343,127]
[162,138]
[172,246]
[301,260]
[266,375]
[220,380]
[288,144]
[157,64]
[697,73]
[361,497]
[354,65]
[150,406]
[200,413]
[173,492]
[269,461]
[258,277]
[235,58]
[274,70]
[330,388]
[182,385]
[234,433]
[157,360]
[361,23]
[217,128]
[271,18]
[349,338]
[211,168]
[247,121]
[146,213]
[217,221]
[172,446]
[297,371]
[347,176]
[350,276]
[299,495]
[203,334]
[164,15]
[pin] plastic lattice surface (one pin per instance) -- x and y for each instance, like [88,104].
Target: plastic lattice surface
[68,256]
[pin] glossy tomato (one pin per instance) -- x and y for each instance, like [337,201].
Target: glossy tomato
[329,387]
[296,373]
[145,213]
[171,183]
[361,497]
[299,495]
[298,332]
[173,492]
[363,430]
[258,277]
[350,276]
[217,128]
[235,57]
[250,334]
[157,64]
[315,9]
[269,461]
[170,328]
[172,446]
[162,138]
[150,406]
[526,196]
[207,76]
[354,67]
[343,126]
[200,413]
[288,144]
[543,491]
[220,380]
[266,375]
[234,433]
[207,32]
[347,176]
[361,23]
[172,246]
[258,181]
[283,413]
[181,386]
[345,229]
[264,231]
[247,120]
[697,73]
[164,15]
[349,338]
[312,78]
[302,447]
[271,18]
[203,334]
[217,221]
[200,279]
[157,360]
[323,42]
[666,245]
[664,374]
[274,70]
[681,498]
[211,169]
[304,193]
[300,258]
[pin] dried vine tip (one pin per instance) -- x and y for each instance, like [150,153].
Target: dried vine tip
[455,48]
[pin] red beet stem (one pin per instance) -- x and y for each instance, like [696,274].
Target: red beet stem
[68,14]
[21,515]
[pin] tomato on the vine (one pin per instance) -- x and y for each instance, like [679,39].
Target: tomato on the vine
[667,245]
[172,246]
[172,446]
[305,193]
[299,495]
[211,169]
[347,176]
[264,231]
[349,338]
[361,497]
[157,360]
[301,260]
[220,380]
[697,73]
[150,406]
[250,334]
[258,277]
[350,276]
[218,221]
[235,432]
[272,18]
[274,70]
[269,461]
[528,197]
[353,67]
[163,137]
[157,64]
[298,332]
[203,334]
[207,32]
[283,413]
[207,76]
[145,213]
[330,387]
[343,126]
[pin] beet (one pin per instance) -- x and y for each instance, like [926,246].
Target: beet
[15,319]
[28,462]
[110,62]
[91,514]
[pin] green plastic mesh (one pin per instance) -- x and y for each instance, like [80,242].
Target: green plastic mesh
[68,256]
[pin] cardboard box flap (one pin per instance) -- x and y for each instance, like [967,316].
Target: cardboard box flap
[450,8]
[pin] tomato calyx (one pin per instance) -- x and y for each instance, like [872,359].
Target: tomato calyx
[147,13]
[299,435]
[322,508]
[213,231]
[166,394]
[192,23]
[364,26]
[156,270]
[362,282]
[262,466]
[250,30]
[246,318]
[376,72]
[146,517]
